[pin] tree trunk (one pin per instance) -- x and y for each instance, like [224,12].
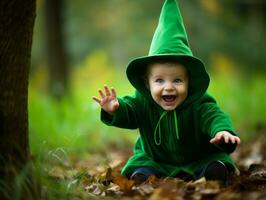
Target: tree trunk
[16,30]
[57,57]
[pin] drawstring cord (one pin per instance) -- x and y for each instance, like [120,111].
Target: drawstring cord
[159,132]
[158,139]
[176,126]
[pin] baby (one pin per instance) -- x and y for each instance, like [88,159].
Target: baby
[183,132]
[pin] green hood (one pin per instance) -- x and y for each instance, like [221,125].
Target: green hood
[170,43]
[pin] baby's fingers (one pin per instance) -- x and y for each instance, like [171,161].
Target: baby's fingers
[238,141]
[113,92]
[218,138]
[107,91]
[101,93]
[97,100]
[214,140]
[226,138]
[235,139]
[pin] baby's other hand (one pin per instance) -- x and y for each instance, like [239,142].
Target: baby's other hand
[108,101]
[225,137]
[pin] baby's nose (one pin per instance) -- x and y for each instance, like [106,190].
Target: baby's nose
[169,86]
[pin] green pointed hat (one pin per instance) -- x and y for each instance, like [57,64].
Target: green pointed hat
[170,43]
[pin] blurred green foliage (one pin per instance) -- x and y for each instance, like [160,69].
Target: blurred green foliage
[124,29]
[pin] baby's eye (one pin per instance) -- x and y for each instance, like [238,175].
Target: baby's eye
[178,80]
[159,80]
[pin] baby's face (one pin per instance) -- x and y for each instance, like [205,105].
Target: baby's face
[168,84]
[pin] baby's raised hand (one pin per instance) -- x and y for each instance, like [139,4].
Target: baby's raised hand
[108,101]
[225,137]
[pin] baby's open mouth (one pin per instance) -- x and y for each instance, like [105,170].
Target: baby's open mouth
[169,98]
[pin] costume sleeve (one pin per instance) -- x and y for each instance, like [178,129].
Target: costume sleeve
[213,120]
[125,116]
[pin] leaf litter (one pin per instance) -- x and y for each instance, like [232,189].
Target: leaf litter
[99,176]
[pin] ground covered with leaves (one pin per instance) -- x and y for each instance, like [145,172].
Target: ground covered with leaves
[97,176]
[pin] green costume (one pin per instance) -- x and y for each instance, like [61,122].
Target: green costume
[177,140]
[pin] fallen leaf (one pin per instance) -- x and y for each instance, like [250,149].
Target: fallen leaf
[144,189]
[124,183]
[152,180]
[258,171]
[106,177]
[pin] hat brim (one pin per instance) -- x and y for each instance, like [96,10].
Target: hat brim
[198,77]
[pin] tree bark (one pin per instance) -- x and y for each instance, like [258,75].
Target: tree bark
[56,52]
[16,31]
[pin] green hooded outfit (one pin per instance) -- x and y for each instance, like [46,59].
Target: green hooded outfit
[178,140]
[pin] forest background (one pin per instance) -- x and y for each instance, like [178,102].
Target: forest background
[81,45]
